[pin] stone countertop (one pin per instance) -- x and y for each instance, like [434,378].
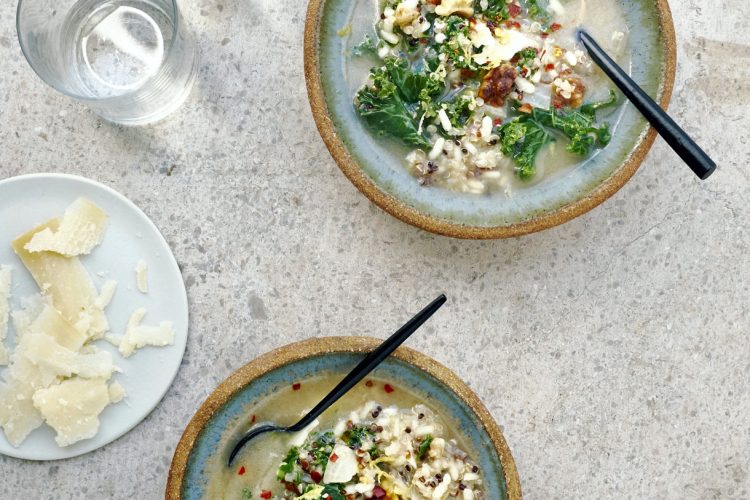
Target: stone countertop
[612,350]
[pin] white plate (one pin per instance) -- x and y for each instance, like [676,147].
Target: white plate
[29,200]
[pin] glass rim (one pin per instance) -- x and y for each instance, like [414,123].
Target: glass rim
[175,29]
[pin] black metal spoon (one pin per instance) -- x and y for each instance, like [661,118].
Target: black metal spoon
[683,145]
[367,365]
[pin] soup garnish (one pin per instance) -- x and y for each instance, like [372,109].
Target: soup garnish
[480,88]
[378,453]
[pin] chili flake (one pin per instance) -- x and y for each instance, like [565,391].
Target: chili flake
[296,386]
[242,471]
[388,388]
[266,494]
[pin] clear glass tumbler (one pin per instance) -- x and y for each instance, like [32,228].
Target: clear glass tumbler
[131,61]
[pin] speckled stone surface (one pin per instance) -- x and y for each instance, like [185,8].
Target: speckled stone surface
[613,350]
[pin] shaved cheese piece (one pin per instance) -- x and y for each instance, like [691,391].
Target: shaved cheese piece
[72,408]
[138,336]
[141,275]
[461,7]
[106,294]
[18,416]
[23,370]
[343,468]
[43,351]
[116,393]
[66,282]
[31,308]
[81,229]
[499,47]
[5,281]
[49,322]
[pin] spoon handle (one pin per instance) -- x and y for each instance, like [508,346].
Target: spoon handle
[371,361]
[676,137]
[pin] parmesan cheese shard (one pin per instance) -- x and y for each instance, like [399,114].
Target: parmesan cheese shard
[18,416]
[138,336]
[66,282]
[49,322]
[72,408]
[80,231]
[5,282]
[141,276]
[46,353]
[106,294]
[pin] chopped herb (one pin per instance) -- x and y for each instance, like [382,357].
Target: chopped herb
[424,447]
[333,492]
[246,493]
[457,46]
[537,12]
[287,466]
[526,57]
[497,10]
[358,435]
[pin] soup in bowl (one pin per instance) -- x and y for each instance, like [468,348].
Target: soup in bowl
[411,430]
[484,118]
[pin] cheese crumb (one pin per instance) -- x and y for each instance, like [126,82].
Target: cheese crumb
[141,276]
[106,294]
[138,336]
[81,229]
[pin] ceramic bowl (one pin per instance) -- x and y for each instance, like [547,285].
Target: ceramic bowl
[380,175]
[280,368]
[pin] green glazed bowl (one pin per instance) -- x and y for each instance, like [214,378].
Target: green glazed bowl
[379,173]
[231,401]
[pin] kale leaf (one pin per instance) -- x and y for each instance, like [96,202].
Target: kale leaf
[522,139]
[578,125]
[388,104]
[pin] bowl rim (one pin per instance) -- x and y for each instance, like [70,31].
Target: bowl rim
[314,347]
[433,224]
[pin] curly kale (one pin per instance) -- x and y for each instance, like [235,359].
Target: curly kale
[523,138]
[389,104]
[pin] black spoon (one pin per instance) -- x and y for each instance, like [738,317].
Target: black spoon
[683,145]
[367,365]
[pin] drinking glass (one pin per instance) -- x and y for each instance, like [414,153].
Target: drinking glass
[131,61]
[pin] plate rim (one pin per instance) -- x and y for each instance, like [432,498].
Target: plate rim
[183,302]
[437,225]
[305,349]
